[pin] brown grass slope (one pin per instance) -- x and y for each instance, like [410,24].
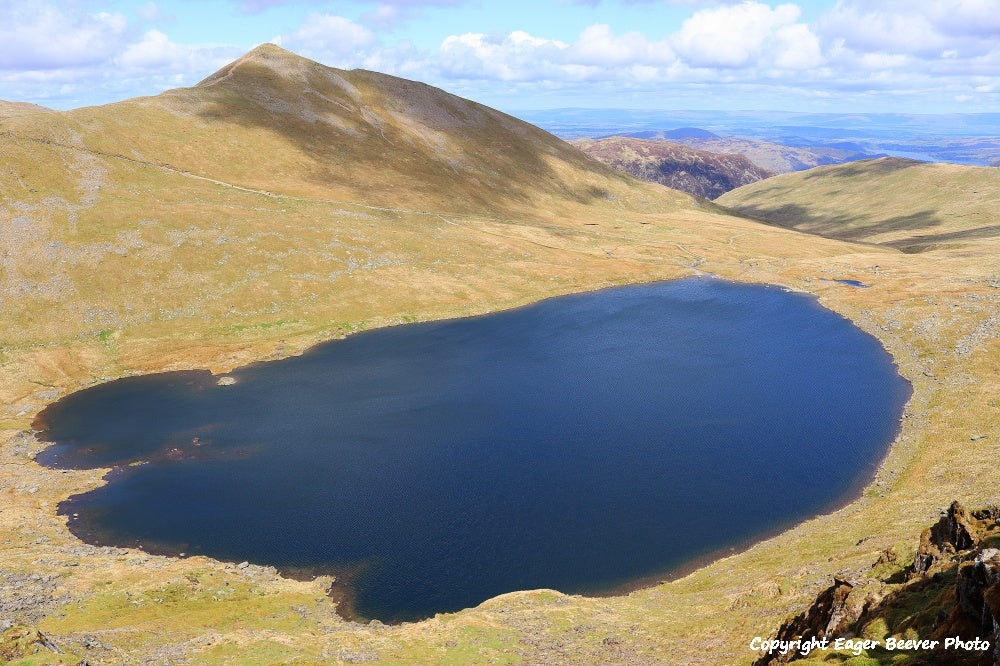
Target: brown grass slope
[908,205]
[20,108]
[275,121]
[698,172]
[256,215]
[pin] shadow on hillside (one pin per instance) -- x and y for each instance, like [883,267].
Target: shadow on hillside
[866,168]
[843,226]
[390,136]
[922,242]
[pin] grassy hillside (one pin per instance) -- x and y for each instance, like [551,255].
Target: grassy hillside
[698,172]
[274,121]
[282,203]
[19,108]
[908,205]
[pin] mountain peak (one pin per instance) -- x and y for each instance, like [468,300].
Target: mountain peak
[270,50]
[359,135]
[267,56]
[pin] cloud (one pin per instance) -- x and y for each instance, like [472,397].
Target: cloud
[413,4]
[796,47]
[517,56]
[692,3]
[387,14]
[156,51]
[675,3]
[60,55]
[337,41]
[256,6]
[870,28]
[747,35]
[598,45]
[921,28]
[329,34]
[969,18]
[43,36]
[151,13]
[598,54]
[946,17]
[858,51]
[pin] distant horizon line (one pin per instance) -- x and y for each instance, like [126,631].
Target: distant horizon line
[752,111]
[644,109]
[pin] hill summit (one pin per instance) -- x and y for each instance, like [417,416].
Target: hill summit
[273,120]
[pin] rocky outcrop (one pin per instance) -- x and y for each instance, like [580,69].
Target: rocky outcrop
[951,591]
[976,611]
[949,535]
[829,616]
[18,642]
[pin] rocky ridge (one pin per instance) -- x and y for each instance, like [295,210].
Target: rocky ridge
[950,591]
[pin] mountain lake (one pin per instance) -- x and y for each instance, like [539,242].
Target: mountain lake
[584,443]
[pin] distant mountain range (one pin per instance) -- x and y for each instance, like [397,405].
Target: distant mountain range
[668,135]
[961,138]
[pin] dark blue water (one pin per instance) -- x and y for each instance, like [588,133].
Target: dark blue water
[578,444]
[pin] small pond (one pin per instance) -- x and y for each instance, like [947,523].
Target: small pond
[582,443]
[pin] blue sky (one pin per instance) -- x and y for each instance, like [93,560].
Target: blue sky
[910,56]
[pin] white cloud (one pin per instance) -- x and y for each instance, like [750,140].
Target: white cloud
[60,55]
[43,36]
[517,56]
[335,41]
[150,12]
[413,4]
[384,16]
[971,18]
[880,61]
[330,35]
[155,50]
[675,3]
[255,6]
[796,47]
[922,28]
[746,35]
[876,28]
[598,53]
[598,45]
[389,13]
[859,50]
